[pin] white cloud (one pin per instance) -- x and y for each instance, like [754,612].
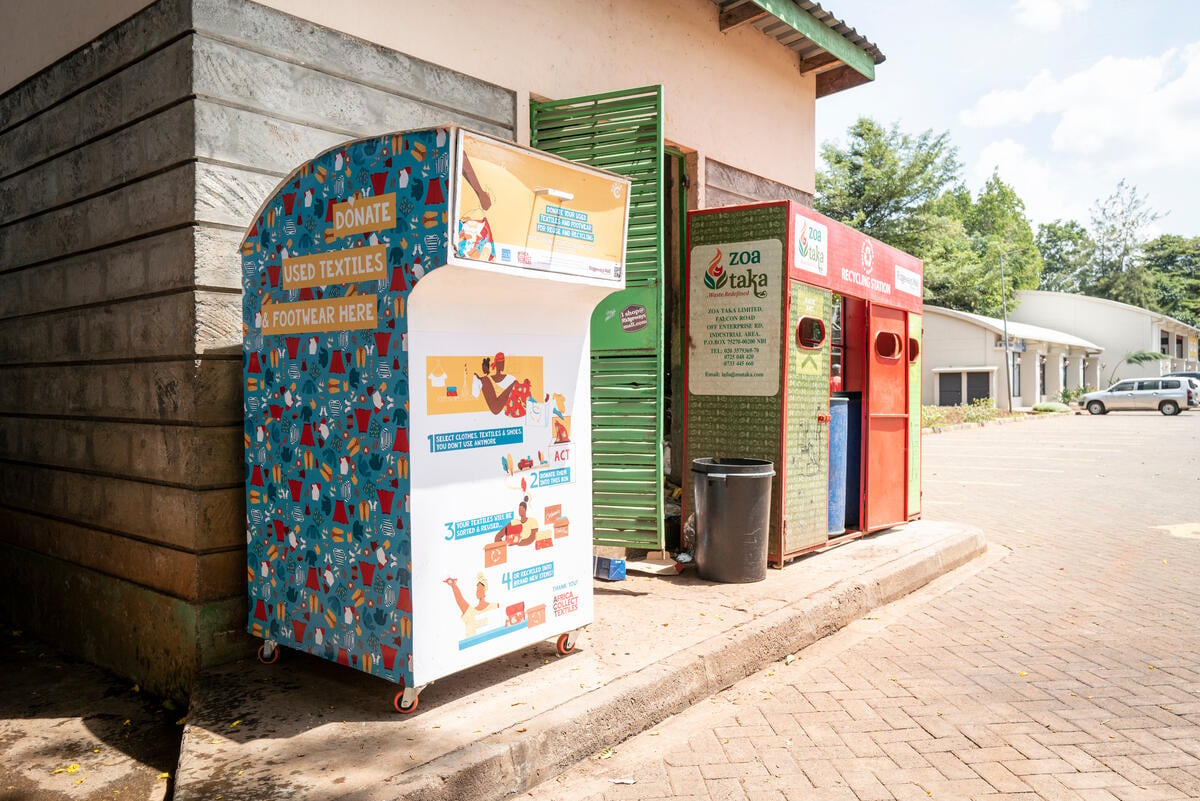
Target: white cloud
[1046,16]
[1121,113]
[1048,189]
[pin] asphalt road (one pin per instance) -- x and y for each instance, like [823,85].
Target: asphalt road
[1064,664]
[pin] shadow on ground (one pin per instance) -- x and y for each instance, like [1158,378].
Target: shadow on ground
[72,730]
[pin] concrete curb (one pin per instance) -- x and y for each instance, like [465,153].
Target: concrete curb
[515,760]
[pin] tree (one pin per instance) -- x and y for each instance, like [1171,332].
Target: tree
[905,190]
[1118,271]
[1175,263]
[1066,250]
[1136,358]
[955,278]
[884,182]
[1003,238]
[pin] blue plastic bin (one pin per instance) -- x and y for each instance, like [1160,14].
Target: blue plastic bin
[838,433]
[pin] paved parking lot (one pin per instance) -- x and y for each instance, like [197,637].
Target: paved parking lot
[1065,664]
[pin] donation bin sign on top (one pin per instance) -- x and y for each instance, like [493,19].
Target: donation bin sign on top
[417,419]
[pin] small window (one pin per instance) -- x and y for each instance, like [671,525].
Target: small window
[1170,384]
[888,345]
[810,333]
[914,351]
[1149,386]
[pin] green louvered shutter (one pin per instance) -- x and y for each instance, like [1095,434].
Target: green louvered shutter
[622,132]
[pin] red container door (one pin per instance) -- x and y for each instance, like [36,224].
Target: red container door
[885,479]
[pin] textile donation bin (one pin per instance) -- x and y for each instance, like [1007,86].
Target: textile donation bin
[417,413]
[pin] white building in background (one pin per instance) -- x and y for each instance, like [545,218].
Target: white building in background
[963,360]
[1118,328]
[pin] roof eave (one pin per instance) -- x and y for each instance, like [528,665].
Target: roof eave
[840,57]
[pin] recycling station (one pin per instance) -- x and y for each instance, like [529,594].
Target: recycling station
[777,298]
[417,413]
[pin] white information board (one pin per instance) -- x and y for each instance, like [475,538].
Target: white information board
[735,302]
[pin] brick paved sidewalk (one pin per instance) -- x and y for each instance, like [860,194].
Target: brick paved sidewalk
[1065,666]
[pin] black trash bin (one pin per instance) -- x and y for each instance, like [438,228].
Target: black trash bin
[733,518]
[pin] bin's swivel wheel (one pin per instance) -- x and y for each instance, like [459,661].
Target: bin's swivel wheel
[406,699]
[268,653]
[566,643]
[403,706]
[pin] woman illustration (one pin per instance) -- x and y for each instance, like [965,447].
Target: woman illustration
[497,387]
[473,617]
[522,529]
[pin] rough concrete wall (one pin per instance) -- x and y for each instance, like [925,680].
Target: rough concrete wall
[128,172]
[729,186]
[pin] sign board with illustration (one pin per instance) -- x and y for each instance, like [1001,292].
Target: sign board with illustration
[522,208]
[417,432]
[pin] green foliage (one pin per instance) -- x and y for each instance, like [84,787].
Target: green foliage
[884,182]
[1003,238]
[1137,358]
[955,277]
[933,416]
[905,191]
[1175,263]
[1066,250]
[1067,395]
[1117,270]
[1050,407]
[982,410]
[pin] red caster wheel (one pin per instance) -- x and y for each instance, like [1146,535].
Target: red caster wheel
[268,653]
[566,643]
[402,707]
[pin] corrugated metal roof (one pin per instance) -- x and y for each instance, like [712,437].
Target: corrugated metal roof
[814,57]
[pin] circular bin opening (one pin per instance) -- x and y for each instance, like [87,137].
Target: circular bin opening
[888,345]
[914,351]
[810,333]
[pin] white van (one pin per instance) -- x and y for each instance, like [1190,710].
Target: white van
[1167,395]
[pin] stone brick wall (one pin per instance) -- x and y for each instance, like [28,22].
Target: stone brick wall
[128,172]
[728,186]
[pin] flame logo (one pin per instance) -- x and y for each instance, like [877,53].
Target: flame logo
[804,237]
[714,276]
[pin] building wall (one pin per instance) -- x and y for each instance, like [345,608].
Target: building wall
[729,186]
[1117,327]
[735,97]
[34,37]
[724,90]
[128,172]
[951,343]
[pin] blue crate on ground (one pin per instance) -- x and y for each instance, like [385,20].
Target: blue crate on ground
[609,569]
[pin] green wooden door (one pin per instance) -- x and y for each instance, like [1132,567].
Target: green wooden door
[622,132]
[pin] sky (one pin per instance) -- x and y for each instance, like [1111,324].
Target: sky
[1065,98]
